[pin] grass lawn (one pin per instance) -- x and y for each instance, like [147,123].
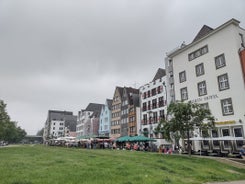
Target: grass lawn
[44,165]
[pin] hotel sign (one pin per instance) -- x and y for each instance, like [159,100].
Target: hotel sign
[210,97]
[225,122]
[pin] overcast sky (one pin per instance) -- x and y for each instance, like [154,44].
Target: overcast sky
[64,54]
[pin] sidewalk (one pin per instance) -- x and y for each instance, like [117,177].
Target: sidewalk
[229,182]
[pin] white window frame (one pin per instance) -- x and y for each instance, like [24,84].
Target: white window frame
[200,69]
[227,107]
[223,82]
[182,76]
[184,93]
[220,61]
[202,88]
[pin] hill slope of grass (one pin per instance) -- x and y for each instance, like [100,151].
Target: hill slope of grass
[50,165]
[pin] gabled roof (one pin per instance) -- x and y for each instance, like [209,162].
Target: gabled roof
[205,30]
[131,94]
[203,35]
[135,100]
[95,108]
[120,90]
[160,73]
[131,90]
[109,103]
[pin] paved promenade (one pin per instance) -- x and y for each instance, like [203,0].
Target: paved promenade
[229,182]
[233,162]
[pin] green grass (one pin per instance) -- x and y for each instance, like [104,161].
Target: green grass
[44,165]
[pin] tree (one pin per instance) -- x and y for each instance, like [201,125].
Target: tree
[183,118]
[8,130]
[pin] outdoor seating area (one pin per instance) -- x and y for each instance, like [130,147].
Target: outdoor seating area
[135,143]
[138,143]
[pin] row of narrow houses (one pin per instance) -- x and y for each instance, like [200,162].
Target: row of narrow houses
[209,71]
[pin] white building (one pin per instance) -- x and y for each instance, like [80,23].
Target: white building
[59,124]
[88,121]
[153,102]
[209,71]
[57,128]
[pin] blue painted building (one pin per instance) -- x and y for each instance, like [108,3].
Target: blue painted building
[105,118]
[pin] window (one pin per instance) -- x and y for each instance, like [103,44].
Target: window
[205,143]
[149,93]
[182,77]
[145,119]
[226,144]
[153,91]
[162,114]
[116,98]
[171,74]
[204,106]
[238,132]
[183,93]
[154,103]
[144,106]
[220,61]
[198,53]
[160,101]
[214,133]
[204,50]
[149,105]
[154,117]
[199,69]
[216,143]
[159,89]
[225,132]
[202,90]
[226,105]
[223,82]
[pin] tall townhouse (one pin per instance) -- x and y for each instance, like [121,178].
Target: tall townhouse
[153,100]
[59,124]
[211,71]
[88,120]
[130,98]
[105,119]
[116,113]
[134,115]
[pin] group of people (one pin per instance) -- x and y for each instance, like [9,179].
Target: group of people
[242,152]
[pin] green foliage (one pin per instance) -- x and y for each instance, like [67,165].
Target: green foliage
[8,131]
[42,164]
[183,118]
